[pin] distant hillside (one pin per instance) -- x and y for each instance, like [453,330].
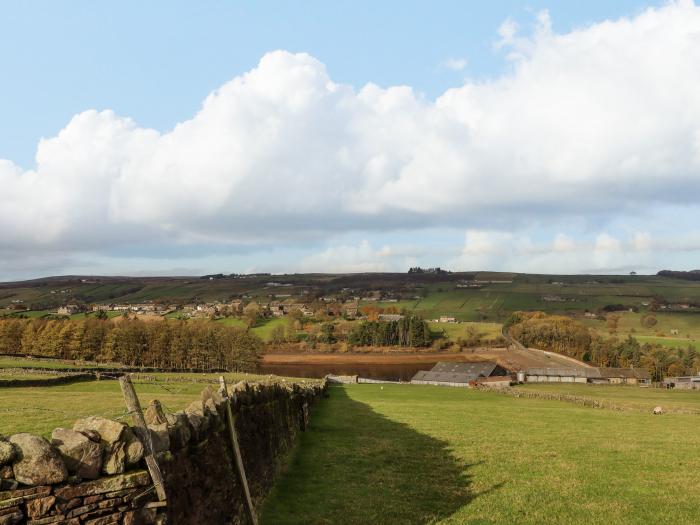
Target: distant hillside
[692,275]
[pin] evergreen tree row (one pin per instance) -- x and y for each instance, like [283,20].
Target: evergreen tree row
[132,342]
[409,331]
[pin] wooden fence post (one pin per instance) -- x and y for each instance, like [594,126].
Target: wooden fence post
[134,408]
[237,451]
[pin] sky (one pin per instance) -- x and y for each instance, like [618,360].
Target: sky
[184,138]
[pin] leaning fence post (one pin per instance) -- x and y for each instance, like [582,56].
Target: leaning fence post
[134,408]
[237,451]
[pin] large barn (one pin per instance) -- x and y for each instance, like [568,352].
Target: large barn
[458,374]
[629,376]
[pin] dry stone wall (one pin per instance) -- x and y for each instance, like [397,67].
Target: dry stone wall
[94,473]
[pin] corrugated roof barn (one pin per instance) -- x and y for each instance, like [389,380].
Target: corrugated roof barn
[458,374]
[587,375]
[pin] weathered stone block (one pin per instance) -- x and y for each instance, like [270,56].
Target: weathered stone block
[65,506]
[114,458]
[12,517]
[154,414]
[39,507]
[7,452]
[160,438]
[58,519]
[137,478]
[105,520]
[9,502]
[110,431]
[114,455]
[26,494]
[8,484]
[37,462]
[179,430]
[79,511]
[81,455]
[134,448]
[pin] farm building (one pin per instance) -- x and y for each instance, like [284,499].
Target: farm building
[494,381]
[626,376]
[683,382]
[559,375]
[459,374]
[619,376]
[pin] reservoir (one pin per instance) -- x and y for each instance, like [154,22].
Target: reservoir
[383,371]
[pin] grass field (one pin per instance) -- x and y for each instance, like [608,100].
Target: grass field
[41,409]
[52,364]
[630,323]
[421,454]
[638,398]
[263,329]
[454,331]
[687,324]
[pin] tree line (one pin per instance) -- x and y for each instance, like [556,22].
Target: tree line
[132,342]
[410,331]
[569,337]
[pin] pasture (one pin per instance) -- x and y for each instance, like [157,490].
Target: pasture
[627,397]
[454,331]
[422,454]
[39,410]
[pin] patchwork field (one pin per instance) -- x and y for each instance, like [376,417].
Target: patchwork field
[422,454]
[671,329]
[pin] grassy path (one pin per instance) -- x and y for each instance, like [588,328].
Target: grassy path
[416,455]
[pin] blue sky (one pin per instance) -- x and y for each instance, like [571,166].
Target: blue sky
[132,202]
[62,57]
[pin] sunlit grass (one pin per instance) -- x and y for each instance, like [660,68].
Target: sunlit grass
[422,454]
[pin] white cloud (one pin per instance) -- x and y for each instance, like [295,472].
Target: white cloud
[601,123]
[350,259]
[563,243]
[455,64]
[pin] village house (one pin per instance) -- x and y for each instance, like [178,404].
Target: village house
[350,310]
[276,310]
[102,307]
[68,309]
[390,317]
[445,319]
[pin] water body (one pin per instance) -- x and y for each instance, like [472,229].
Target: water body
[384,371]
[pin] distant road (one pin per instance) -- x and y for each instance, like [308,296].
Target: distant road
[551,359]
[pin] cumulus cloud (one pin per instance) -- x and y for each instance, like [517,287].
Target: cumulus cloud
[602,123]
[350,258]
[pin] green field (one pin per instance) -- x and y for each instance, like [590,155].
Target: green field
[263,329]
[454,331]
[52,364]
[631,397]
[687,324]
[41,409]
[420,454]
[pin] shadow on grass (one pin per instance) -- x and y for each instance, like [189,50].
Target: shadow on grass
[356,466]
